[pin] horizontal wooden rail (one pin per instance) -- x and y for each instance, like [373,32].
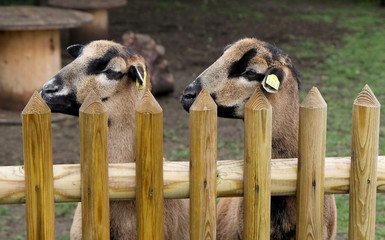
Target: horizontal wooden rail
[176,179]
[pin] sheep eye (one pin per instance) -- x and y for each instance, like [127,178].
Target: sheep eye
[250,73]
[111,74]
[253,76]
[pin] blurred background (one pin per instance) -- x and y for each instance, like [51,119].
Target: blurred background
[338,46]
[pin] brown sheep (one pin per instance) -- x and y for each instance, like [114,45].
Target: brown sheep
[231,80]
[110,70]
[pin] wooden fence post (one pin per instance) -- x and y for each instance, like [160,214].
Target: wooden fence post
[258,123]
[311,164]
[203,168]
[363,175]
[37,143]
[94,169]
[149,169]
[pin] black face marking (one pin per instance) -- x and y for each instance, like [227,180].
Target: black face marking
[105,99]
[239,67]
[225,111]
[97,65]
[62,104]
[109,122]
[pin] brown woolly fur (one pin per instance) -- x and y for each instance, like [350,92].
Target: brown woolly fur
[231,80]
[110,70]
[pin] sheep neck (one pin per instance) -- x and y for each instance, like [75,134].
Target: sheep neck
[121,129]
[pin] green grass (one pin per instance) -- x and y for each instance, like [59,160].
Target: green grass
[170,133]
[342,202]
[232,147]
[235,12]
[18,237]
[14,215]
[180,153]
[4,211]
[67,237]
[65,209]
[343,71]
[319,18]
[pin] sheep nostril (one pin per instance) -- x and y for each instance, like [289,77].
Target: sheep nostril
[189,95]
[49,89]
[191,91]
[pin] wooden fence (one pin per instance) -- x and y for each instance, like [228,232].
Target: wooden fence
[202,179]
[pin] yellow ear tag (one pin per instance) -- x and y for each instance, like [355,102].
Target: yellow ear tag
[141,83]
[272,81]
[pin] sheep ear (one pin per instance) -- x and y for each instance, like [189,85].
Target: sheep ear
[75,50]
[139,74]
[272,82]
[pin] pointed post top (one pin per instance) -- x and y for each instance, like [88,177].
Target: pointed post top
[258,100]
[313,99]
[35,105]
[366,98]
[148,104]
[92,104]
[203,102]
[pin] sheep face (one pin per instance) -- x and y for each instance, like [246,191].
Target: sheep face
[102,66]
[243,66]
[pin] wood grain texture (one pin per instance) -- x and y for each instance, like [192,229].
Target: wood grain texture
[203,174]
[258,127]
[40,18]
[37,146]
[149,168]
[28,59]
[363,181]
[121,184]
[311,152]
[94,169]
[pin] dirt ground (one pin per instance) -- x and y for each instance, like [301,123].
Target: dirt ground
[194,35]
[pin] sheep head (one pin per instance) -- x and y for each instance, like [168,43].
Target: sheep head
[243,66]
[105,67]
